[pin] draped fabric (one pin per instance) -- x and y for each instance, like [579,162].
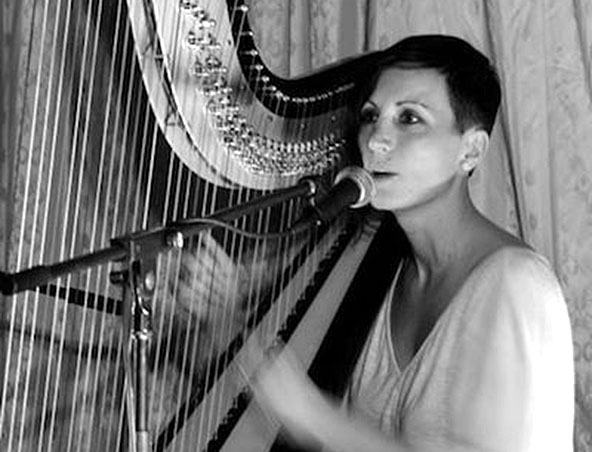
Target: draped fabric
[537,178]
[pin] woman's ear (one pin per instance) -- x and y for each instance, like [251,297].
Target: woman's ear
[475,144]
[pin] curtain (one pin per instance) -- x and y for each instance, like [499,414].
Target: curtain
[537,178]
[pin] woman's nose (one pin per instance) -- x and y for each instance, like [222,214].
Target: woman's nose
[379,141]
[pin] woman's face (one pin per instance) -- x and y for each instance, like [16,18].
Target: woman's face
[408,138]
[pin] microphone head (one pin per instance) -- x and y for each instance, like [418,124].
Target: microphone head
[362,179]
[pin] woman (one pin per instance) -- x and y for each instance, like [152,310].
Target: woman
[471,350]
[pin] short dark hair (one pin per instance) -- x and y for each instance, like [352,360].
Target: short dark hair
[473,84]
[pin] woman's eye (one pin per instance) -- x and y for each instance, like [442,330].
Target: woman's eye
[368,115]
[409,117]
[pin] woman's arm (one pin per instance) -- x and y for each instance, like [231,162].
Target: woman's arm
[285,392]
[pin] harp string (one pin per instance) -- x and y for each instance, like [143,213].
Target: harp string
[122,191]
[231,297]
[262,255]
[23,327]
[191,347]
[220,316]
[27,297]
[22,346]
[86,328]
[189,362]
[92,375]
[102,202]
[50,392]
[162,328]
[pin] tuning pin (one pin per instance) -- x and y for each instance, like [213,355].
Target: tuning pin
[189,5]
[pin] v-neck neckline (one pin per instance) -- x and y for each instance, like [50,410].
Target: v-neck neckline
[445,313]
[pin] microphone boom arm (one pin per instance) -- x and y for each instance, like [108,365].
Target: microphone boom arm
[153,240]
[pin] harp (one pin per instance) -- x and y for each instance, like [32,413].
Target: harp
[130,116]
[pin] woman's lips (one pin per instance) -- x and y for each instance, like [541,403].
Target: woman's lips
[380,175]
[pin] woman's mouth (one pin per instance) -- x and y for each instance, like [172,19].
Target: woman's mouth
[379,175]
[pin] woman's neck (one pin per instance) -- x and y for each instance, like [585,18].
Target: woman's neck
[440,233]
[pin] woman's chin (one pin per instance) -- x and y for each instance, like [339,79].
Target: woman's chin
[380,203]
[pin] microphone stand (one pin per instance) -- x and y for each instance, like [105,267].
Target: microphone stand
[139,251]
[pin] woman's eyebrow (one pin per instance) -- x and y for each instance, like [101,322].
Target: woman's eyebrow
[412,101]
[369,102]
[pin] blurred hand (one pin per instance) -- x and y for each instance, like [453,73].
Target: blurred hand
[285,393]
[283,390]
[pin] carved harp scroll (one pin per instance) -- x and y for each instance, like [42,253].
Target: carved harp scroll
[121,117]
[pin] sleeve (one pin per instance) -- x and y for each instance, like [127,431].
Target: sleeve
[511,385]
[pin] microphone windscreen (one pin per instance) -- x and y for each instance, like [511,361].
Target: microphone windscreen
[362,179]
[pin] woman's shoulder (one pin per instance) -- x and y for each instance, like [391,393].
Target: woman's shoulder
[502,255]
[517,280]
[515,261]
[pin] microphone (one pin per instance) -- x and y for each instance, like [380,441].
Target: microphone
[353,187]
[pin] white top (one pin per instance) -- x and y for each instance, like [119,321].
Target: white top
[494,374]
